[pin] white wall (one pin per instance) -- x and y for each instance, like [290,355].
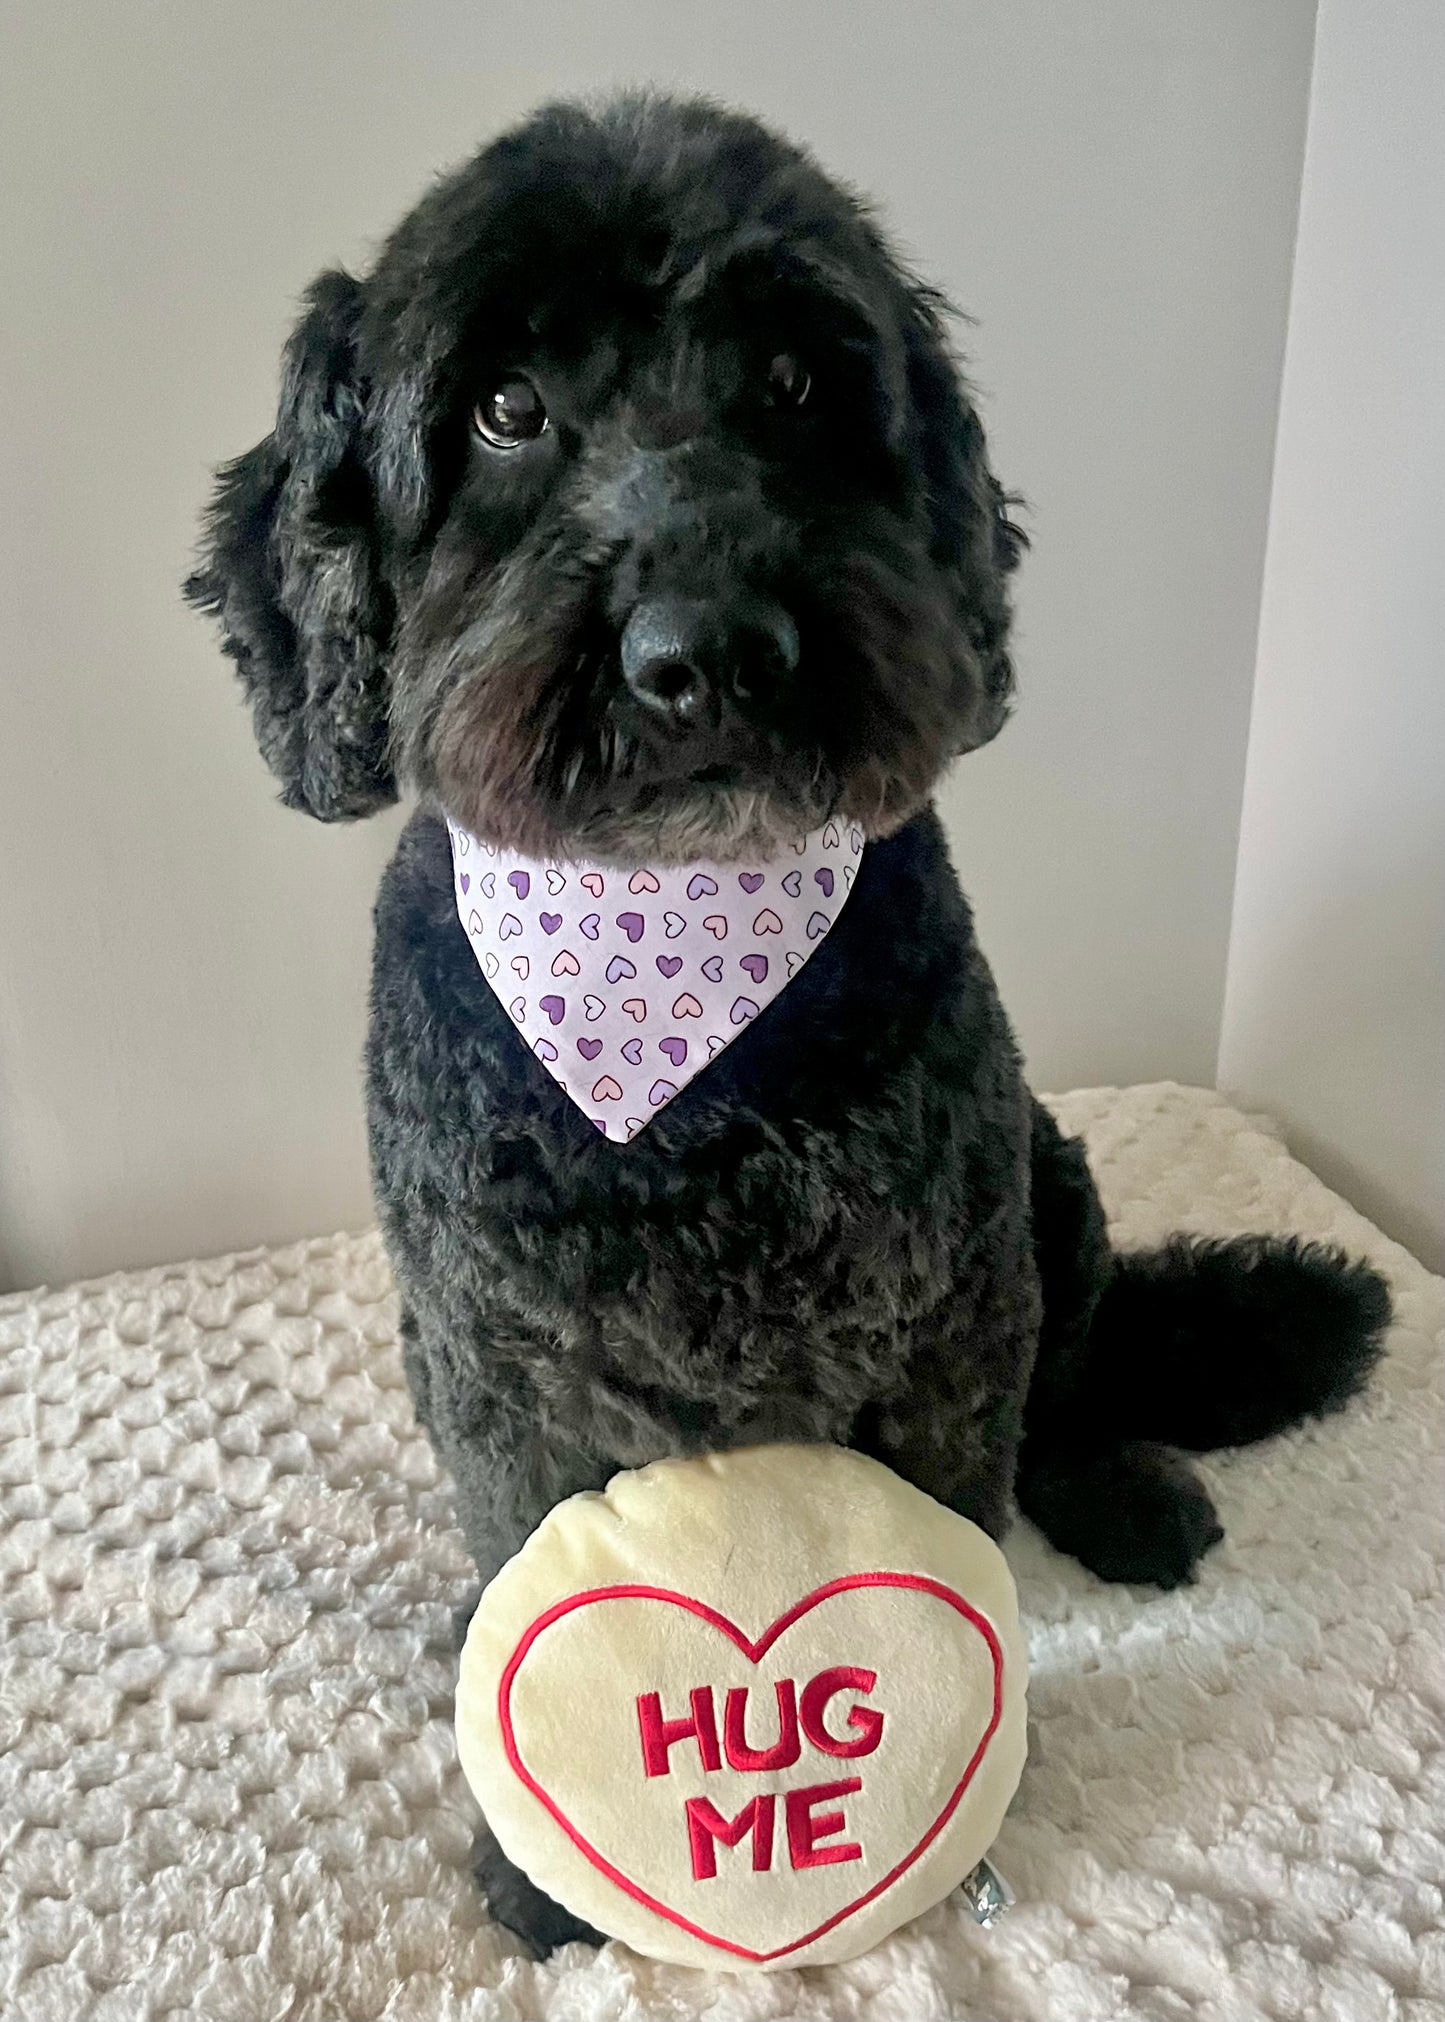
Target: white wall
[1110,188]
[1335,1012]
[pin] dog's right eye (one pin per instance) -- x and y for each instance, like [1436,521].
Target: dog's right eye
[789,381]
[513,413]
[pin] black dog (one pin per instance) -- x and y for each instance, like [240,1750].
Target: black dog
[633,509]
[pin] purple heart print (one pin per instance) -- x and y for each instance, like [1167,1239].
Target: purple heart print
[697,932]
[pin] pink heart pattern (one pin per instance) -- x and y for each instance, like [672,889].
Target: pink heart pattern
[718,925]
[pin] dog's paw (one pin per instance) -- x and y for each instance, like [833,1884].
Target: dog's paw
[462,1619]
[1135,1513]
[526,1910]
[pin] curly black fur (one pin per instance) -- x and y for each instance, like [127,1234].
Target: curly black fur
[856,1225]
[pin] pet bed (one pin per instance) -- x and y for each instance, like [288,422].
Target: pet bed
[228,1784]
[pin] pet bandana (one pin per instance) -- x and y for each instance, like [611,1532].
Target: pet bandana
[625,984]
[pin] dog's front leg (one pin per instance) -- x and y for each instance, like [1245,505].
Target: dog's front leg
[504,1488]
[955,1429]
[516,1902]
[509,1470]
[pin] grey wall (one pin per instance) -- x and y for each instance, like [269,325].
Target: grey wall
[1335,1014]
[1110,188]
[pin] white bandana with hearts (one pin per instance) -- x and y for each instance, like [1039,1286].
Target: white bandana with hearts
[626,984]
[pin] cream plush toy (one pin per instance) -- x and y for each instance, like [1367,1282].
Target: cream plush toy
[750,1710]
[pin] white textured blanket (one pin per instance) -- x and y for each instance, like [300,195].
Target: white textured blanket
[228,1787]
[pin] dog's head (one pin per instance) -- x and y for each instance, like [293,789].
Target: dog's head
[632,508]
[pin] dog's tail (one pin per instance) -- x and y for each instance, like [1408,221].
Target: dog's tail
[1207,1343]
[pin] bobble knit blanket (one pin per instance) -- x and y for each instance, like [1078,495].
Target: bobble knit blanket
[228,1785]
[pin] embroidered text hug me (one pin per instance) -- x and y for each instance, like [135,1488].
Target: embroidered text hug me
[625,984]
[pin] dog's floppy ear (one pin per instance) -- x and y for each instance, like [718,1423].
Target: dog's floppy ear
[975,539]
[288,567]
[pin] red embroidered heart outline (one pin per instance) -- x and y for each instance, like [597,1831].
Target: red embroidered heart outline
[754,1651]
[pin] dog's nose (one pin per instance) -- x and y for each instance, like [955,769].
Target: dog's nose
[687,658]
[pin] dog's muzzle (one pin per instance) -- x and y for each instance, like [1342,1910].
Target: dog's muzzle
[693,661]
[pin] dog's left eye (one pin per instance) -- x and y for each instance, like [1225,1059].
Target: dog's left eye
[789,381]
[511,414]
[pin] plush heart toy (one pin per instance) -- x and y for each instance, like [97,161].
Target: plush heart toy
[750,1710]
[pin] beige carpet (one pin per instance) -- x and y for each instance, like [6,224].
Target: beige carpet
[228,1787]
